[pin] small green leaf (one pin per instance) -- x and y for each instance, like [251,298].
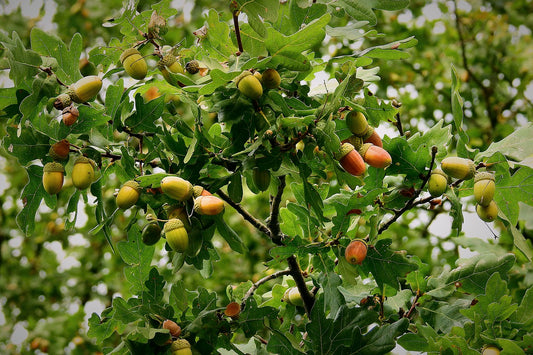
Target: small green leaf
[233,239]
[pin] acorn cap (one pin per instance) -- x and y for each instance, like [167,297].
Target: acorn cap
[240,76]
[168,59]
[173,224]
[345,149]
[179,344]
[127,53]
[83,160]
[356,141]
[133,184]
[54,167]
[370,130]
[192,67]
[197,190]
[439,172]
[62,101]
[483,175]
[364,148]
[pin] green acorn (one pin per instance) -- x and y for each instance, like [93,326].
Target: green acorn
[180,347]
[151,233]
[271,79]
[261,178]
[292,296]
[128,195]
[85,89]
[177,188]
[489,213]
[437,183]
[83,173]
[357,123]
[134,64]
[176,235]
[249,85]
[53,175]
[459,168]
[484,188]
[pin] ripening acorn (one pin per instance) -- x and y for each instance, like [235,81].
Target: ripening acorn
[488,213]
[208,205]
[180,213]
[128,195]
[171,62]
[177,188]
[83,173]
[70,115]
[373,137]
[292,296]
[271,79]
[490,350]
[175,330]
[134,64]
[53,175]
[60,150]
[357,123]
[151,233]
[484,188]
[198,190]
[351,160]
[85,89]
[375,156]
[232,310]
[249,85]
[355,252]
[437,183]
[261,178]
[459,168]
[180,347]
[176,235]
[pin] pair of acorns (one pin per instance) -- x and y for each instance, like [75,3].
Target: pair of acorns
[82,175]
[465,169]
[251,85]
[364,145]
[80,92]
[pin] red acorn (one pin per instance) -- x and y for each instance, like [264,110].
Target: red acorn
[351,161]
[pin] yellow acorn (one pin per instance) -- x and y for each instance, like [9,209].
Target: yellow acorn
[180,347]
[53,174]
[177,188]
[292,296]
[208,205]
[484,188]
[357,123]
[128,195]
[134,64]
[490,350]
[271,79]
[83,173]
[176,235]
[489,213]
[459,168]
[437,183]
[180,213]
[85,89]
[249,85]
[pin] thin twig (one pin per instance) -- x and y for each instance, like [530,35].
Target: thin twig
[413,306]
[273,223]
[296,274]
[256,285]
[237,30]
[398,123]
[411,203]
[245,214]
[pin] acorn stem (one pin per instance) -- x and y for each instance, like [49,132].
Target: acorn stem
[237,30]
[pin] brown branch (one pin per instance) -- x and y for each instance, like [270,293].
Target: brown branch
[256,285]
[237,30]
[413,306]
[398,123]
[273,223]
[411,203]
[298,277]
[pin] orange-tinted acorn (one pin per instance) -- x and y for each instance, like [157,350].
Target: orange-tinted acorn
[373,137]
[351,161]
[208,205]
[355,252]
[375,156]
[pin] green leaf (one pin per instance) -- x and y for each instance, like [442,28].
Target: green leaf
[126,312]
[386,265]
[101,329]
[217,41]
[457,109]
[255,10]
[417,279]
[456,210]
[326,137]
[235,187]
[154,286]
[68,58]
[438,136]
[330,281]
[472,274]
[252,318]
[146,113]
[378,111]
[23,63]
[523,313]
[219,78]
[138,256]
[362,9]
[31,196]
[413,342]
[27,146]
[233,239]
[279,344]
[517,146]
[407,158]
[178,296]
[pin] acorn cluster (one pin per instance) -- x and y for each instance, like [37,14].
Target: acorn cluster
[251,85]
[364,146]
[178,346]
[465,169]
[80,92]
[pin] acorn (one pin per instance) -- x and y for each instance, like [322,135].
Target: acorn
[180,213]
[134,64]
[53,174]
[85,89]
[232,310]
[175,330]
[176,235]
[177,188]
[208,205]
[490,350]
[170,61]
[192,67]
[292,296]
[489,213]
[375,156]
[350,160]
[83,173]
[261,178]
[198,190]
[180,347]
[151,233]
[271,79]
[259,77]
[355,252]
[70,115]
[128,195]
[357,123]
[484,188]
[437,183]
[249,85]
[62,101]
[459,168]
[60,150]
[372,137]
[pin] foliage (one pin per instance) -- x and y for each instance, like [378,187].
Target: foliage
[414,289]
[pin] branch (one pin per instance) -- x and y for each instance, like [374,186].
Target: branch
[273,223]
[411,203]
[245,214]
[237,30]
[296,274]
[398,123]
[256,285]
[413,306]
